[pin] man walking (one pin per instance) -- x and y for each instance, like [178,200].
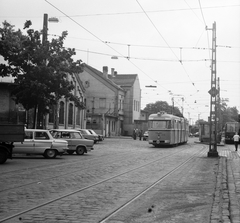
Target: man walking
[236,140]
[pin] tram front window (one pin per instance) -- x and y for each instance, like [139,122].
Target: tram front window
[160,124]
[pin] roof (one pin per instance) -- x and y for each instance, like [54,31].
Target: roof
[124,80]
[36,130]
[64,130]
[100,74]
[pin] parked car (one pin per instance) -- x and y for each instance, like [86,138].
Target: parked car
[100,137]
[76,142]
[145,136]
[87,135]
[196,134]
[40,142]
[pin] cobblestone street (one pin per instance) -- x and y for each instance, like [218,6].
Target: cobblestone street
[121,180]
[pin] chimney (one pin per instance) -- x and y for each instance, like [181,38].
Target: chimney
[112,72]
[105,71]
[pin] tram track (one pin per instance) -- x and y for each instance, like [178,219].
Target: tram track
[70,166]
[46,166]
[148,188]
[100,182]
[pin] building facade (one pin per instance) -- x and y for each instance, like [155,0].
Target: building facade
[67,114]
[104,102]
[132,104]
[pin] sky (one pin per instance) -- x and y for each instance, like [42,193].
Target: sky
[167,43]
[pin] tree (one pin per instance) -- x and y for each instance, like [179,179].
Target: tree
[162,106]
[41,70]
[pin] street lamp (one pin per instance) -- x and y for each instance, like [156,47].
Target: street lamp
[45,26]
[44,39]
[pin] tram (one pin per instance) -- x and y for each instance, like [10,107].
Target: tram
[167,129]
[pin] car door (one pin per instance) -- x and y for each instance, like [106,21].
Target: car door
[67,136]
[27,146]
[42,142]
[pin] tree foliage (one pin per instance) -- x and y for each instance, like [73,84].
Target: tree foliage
[41,70]
[158,106]
[228,114]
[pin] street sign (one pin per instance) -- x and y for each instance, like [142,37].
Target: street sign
[213,92]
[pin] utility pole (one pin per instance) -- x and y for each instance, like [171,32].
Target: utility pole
[172,105]
[213,106]
[45,28]
[219,117]
[44,39]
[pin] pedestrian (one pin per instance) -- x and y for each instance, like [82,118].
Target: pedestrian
[140,134]
[134,134]
[236,138]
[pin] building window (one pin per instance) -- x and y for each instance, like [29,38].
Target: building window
[70,114]
[61,113]
[102,102]
[51,113]
[78,116]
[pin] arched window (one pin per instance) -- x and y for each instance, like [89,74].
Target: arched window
[78,116]
[61,113]
[70,114]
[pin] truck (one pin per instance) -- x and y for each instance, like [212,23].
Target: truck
[9,133]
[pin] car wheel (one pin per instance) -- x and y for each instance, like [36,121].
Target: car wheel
[3,157]
[70,152]
[80,150]
[50,153]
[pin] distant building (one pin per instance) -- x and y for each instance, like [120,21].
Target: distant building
[142,123]
[132,104]
[111,103]
[104,102]
[67,114]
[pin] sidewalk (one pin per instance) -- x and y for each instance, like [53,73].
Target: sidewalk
[226,205]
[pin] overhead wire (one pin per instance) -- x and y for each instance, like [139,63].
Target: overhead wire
[141,58]
[192,11]
[200,6]
[109,42]
[153,11]
[166,43]
[100,40]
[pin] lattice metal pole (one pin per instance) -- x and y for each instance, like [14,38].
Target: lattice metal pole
[213,106]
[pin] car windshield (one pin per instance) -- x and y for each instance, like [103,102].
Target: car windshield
[84,131]
[92,132]
[160,124]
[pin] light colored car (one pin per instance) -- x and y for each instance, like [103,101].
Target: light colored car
[87,135]
[145,136]
[40,142]
[76,142]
